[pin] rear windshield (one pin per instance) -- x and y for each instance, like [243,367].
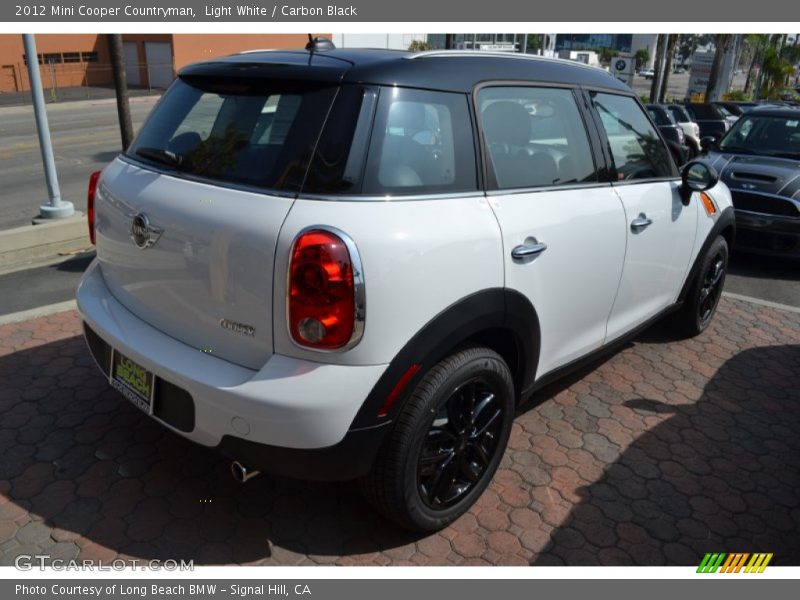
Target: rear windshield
[259,133]
[705,111]
[679,114]
[660,116]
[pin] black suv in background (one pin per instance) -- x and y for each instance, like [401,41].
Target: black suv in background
[712,121]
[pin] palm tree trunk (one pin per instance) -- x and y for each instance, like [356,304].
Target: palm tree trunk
[721,47]
[655,87]
[672,41]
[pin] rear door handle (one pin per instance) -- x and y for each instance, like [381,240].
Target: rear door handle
[641,222]
[528,250]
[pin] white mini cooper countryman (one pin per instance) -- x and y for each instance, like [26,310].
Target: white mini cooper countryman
[354,264]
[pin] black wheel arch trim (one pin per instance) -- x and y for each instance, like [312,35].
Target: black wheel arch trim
[726,222]
[495,309]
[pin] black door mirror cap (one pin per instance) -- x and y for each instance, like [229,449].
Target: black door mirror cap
[697,176]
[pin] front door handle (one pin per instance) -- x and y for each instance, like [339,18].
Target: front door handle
[528,250]
[641,222]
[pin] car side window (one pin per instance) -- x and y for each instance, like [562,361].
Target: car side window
[535,137]
[636,147]
[421,143]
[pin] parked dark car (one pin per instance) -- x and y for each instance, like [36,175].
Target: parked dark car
[670,131]
[759,160]
[737,108]
[712,121]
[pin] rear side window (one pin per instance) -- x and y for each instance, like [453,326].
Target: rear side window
[421,143]
[679,114]
[634,143]
[535,137]
[254,132]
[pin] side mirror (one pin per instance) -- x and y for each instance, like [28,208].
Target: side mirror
[708,142]
[696,176]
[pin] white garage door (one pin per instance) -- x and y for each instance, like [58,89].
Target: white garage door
[132,72]
[159,63]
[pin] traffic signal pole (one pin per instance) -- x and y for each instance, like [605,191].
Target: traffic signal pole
[56,208]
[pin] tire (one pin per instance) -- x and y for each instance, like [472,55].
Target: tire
[433,435]
[702,300]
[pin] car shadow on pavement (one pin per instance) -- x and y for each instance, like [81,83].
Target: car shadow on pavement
[100,477]
[757,266]
[721,474]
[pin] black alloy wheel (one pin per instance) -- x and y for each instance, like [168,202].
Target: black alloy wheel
[460,444]
[711,289]
[446,442]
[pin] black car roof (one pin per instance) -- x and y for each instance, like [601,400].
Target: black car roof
[447,70]
[785,112]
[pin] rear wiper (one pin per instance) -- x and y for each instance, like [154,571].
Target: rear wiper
[165,157]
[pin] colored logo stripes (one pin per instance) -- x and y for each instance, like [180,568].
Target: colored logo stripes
[734,562]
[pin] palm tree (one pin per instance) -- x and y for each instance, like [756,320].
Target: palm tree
[672,42]
[722,44]
[757,43]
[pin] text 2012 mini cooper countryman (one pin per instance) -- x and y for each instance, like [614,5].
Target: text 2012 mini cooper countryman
[354,264]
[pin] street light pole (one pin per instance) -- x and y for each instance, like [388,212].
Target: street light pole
[56,208]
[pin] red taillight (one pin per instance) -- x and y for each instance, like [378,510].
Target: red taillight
[325,310]
[90,203]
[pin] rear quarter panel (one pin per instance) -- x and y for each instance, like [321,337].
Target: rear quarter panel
[418,257]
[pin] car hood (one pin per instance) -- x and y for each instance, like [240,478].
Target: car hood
[764,174]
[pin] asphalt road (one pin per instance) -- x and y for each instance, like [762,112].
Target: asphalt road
[85,138]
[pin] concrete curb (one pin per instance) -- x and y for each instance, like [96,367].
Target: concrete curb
[761,302]
[41,311]
[24,244]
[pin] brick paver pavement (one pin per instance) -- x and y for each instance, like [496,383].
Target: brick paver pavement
[663,452]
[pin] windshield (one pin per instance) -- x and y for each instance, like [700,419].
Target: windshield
[773,136]
[255,132]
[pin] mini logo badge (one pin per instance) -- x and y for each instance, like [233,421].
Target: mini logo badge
[143,233]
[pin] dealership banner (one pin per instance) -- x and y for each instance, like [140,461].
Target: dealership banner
[608,11]
[388,589]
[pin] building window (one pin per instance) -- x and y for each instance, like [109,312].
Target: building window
[72,57]
[25,58]
[89,56]
[52,58]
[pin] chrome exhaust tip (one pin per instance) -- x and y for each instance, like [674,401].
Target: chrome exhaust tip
[241,473]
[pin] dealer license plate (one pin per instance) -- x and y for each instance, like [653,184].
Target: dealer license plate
[132,380]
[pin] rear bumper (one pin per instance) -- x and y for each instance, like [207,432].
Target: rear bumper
[287,408]
[768,234]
